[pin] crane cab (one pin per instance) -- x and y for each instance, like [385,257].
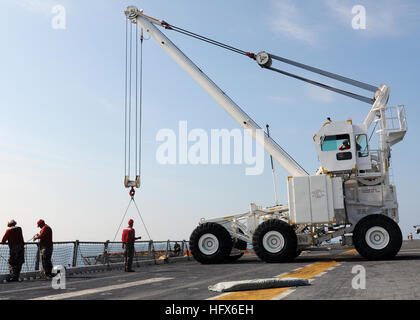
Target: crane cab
[343,147]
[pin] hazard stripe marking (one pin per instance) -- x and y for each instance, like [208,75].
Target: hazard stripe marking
[308,272]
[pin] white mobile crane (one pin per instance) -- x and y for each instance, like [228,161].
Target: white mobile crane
[349,197]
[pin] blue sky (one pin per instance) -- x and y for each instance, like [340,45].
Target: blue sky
[62,105]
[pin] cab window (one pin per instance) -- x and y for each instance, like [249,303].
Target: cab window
[334,143]
[362,146]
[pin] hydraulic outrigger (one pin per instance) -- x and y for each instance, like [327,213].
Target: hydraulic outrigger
[350,196]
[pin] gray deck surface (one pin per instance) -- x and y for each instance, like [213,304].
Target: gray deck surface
[395,279]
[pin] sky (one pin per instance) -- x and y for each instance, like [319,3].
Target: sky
[62,106]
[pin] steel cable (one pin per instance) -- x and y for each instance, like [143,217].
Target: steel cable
[129,100]
[299,65]
[324,86]
[126,98]
[205,39]
[144,224]
[139,213]
[141,100]
[125,213]
[137,86]
[133,100]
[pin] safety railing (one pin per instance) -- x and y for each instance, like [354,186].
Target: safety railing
[83,254]
[396,118]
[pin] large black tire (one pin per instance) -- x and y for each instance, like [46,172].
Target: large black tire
[210,243]
[275,241]
[240,245]
[377,237]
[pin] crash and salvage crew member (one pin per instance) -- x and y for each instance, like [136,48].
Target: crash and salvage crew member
[14,238]
[128,239]
[45,238]
[345,145]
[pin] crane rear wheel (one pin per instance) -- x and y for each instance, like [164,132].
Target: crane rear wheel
[210,243]
[275,241]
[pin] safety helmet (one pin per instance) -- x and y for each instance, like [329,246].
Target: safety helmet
[40,221]
[11,223]
[130,222]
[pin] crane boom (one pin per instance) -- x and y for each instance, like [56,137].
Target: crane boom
[281,156]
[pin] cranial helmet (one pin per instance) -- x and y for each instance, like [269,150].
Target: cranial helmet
[11,223]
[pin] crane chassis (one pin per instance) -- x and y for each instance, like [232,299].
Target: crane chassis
[350,197]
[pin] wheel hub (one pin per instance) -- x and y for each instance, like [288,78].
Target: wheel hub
[273,241]
[377,238]
[208,244]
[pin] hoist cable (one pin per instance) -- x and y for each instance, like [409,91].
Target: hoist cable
[144,224]
[125,213]
[141,99]
[126,98]
[137,91]
[133,100]
[129,99]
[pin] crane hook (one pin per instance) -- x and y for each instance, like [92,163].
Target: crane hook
[132,192]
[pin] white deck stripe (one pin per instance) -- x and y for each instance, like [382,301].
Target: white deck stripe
[283,294]
[409,250]
[99,290]
[48,283]
[219,296]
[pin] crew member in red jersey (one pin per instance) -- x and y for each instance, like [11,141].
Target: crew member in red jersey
[14,239]
[128,239]
[45,238]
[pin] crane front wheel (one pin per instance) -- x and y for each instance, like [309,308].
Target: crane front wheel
[377,237]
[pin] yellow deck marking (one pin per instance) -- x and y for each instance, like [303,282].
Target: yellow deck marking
[307,272]
[267,294]
[350,252]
